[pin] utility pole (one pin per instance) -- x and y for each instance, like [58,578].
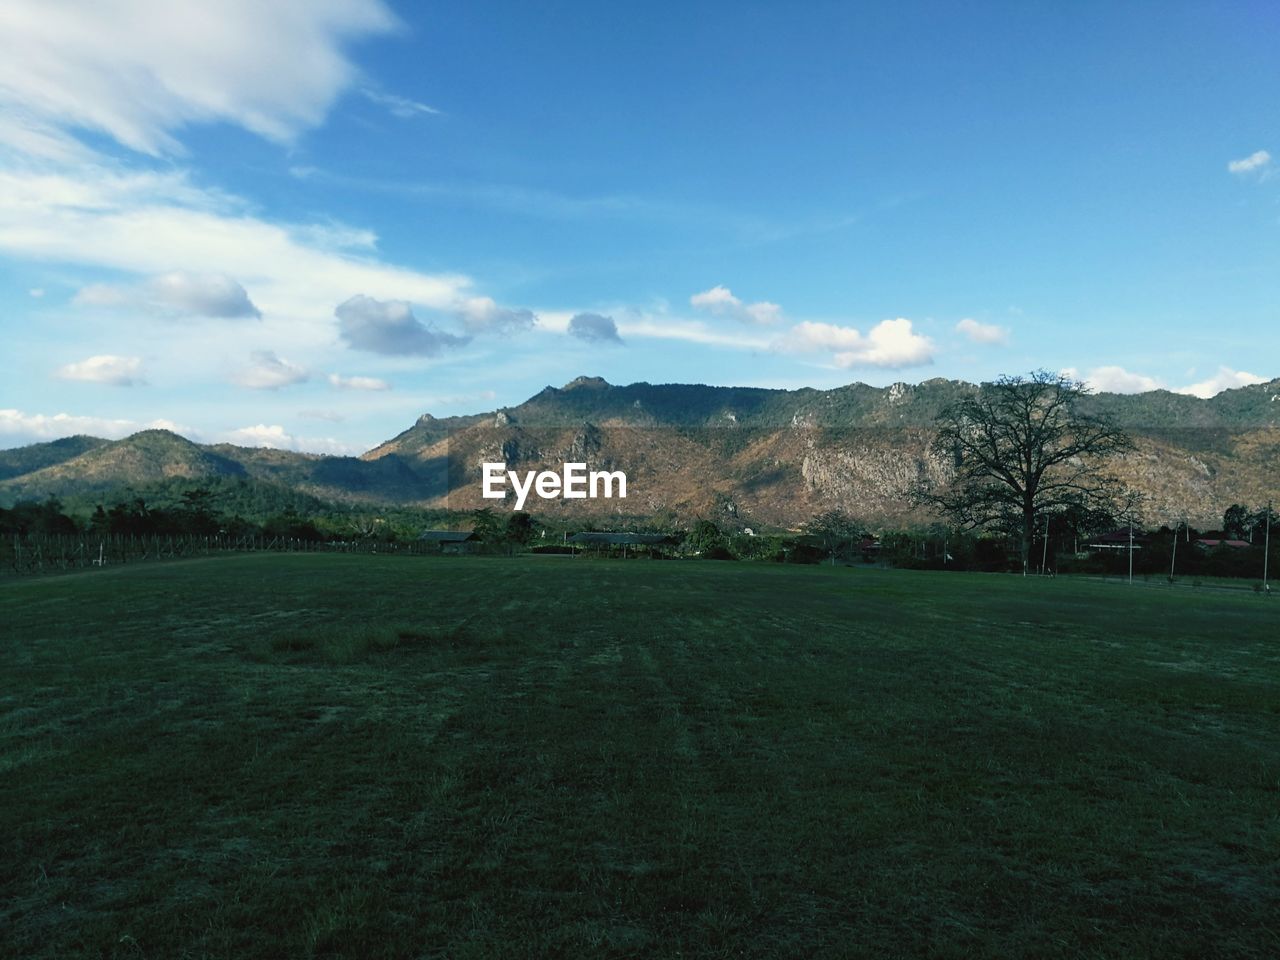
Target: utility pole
[1266,550]
[1131,548]
[1044,553]
[1175,553]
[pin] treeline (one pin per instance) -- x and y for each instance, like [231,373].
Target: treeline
[231,510]
[1065,544]
[215,506]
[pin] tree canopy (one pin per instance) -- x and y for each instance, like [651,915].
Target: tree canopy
[833,529]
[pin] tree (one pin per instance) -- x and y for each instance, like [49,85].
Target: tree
[1023,447]
[519,528]
[486,526]
[704,536]
[196,513]
[833,529]
[1239,523]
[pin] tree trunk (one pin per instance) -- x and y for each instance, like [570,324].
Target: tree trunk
[1028,532]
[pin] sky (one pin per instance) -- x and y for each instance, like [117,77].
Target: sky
[305,223]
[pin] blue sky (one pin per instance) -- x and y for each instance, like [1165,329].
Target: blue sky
[305,223]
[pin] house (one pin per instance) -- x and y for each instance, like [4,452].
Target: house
[450,541]
[1118,539]
[869,547]
[1212,543]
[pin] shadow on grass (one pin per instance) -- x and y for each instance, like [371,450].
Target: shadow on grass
[341,644]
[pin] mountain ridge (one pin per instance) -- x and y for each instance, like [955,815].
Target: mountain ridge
[770,456]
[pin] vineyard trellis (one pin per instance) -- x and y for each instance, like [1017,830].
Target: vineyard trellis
[33,554]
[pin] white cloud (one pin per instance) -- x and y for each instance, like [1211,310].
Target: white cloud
[105,368]
[890,343]
[357,383]
[1115,379]
[594,328]
[39,426]
[36,292]
[276,437]
[719,301]
[1256,162]
[260,435]
[270,372]
[140,70]
[389,327]
[482,315]
[159,224]
[717,298]
[331,416]
[401,107]
[1224,379]
[177,293]
[982,332]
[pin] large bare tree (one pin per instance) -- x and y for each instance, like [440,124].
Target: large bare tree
[1023,447]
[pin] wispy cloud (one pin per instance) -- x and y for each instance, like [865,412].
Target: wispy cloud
[988,333]
[357,383]
[159,225]
[1257,163]
[509,198]
[399,106]
[138,71]
[177,293]
[270,372]
[689,331]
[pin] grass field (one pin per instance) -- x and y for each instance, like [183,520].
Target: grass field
[330,756]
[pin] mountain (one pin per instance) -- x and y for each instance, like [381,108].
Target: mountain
[778,457]
[743,455]
[104,465]
[15,462]
[153,455]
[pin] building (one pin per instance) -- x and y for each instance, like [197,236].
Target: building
[1116,540]
[1212,543]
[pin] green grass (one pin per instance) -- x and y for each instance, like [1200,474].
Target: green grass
[332,756]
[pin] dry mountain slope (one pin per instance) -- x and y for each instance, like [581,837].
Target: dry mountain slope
[778,456]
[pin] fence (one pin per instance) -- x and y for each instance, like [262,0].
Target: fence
[23,555]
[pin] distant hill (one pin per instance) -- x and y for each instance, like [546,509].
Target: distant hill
[157,455]
[742,455]
[16,462]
